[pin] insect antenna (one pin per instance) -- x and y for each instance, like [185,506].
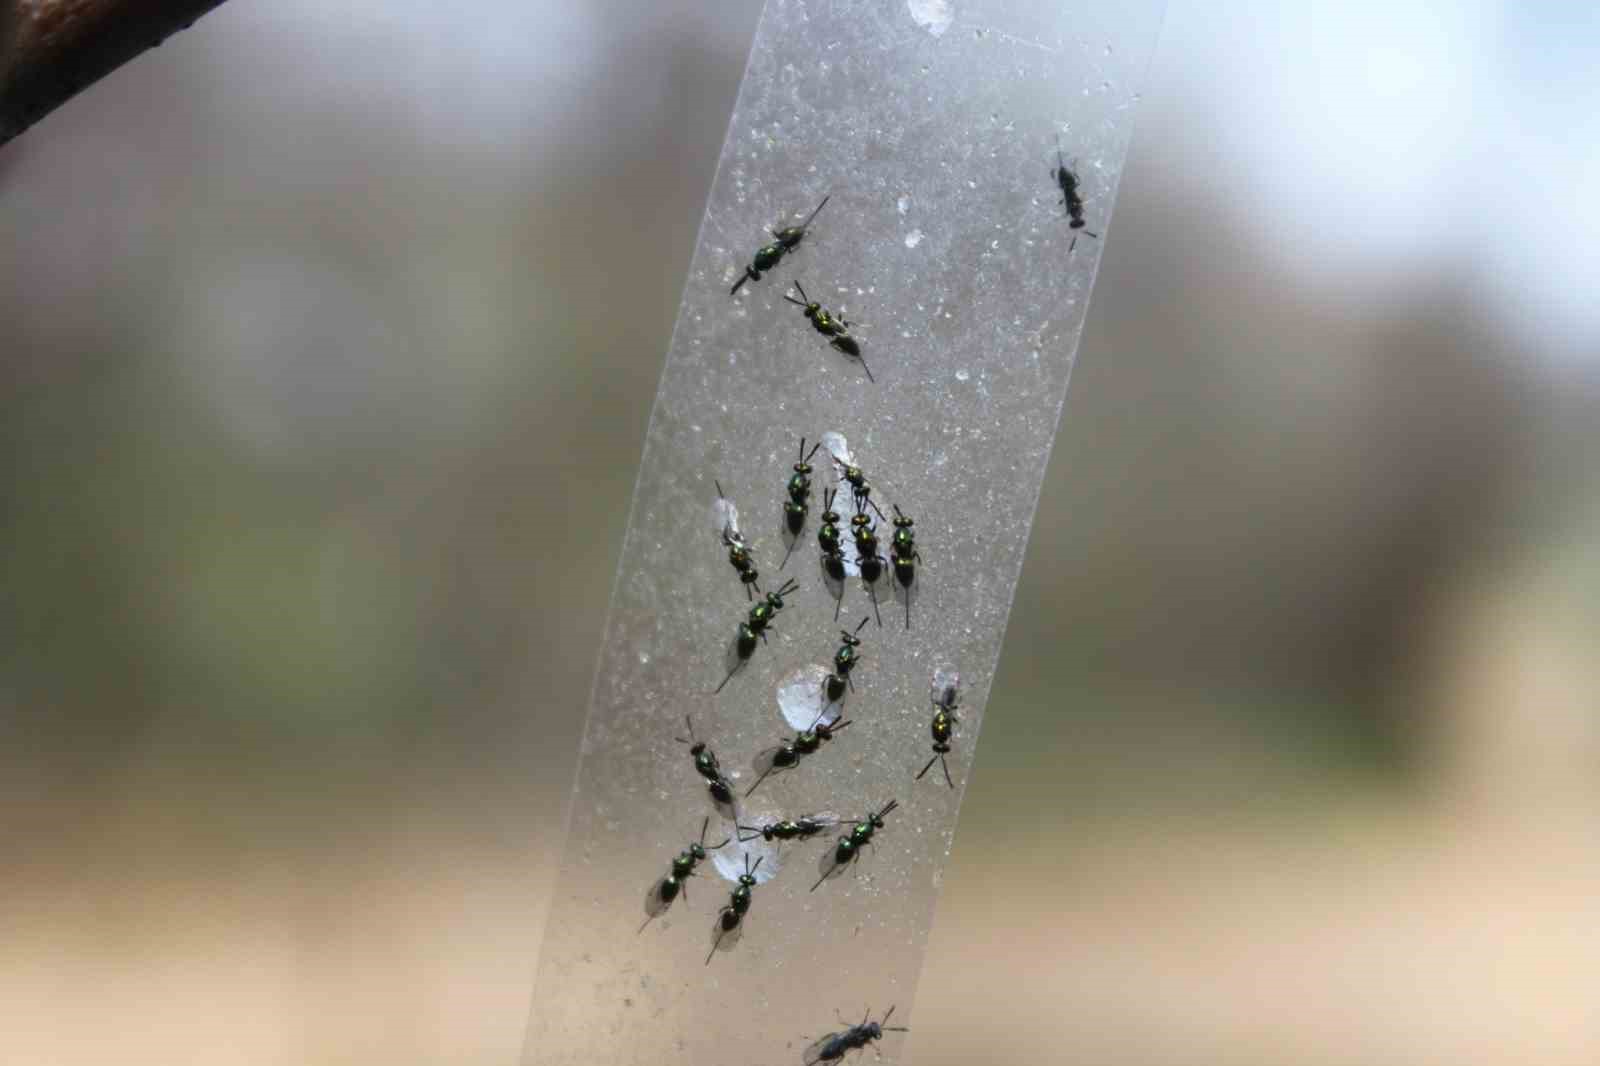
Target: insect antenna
[813,214]
[712,847]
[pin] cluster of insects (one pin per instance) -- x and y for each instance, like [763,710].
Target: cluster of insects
[853,542]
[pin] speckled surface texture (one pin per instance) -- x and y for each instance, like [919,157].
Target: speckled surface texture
[933,128]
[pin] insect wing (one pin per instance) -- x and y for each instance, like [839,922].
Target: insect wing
[847,563]
[725,518]
[729,862]
[830,1048]
[726,930]
[946,688]
[768,762]
[829,866]
[802,701]
[816,823]
[655,903]
[906,595]
[727,803]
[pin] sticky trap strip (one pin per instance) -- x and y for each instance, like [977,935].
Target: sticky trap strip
[946,277]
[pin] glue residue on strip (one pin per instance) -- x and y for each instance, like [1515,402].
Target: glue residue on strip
[934,16]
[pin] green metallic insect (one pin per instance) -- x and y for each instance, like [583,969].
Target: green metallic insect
[845,660]
[904,557]
[945,695]
[865,534]
[834,327]
[707,766]
[798,505]
[730,920]
[769,255]
[665,891]
[762,612]
[725,519]
[849,846]
[787,756]
[849,472]
[829,540]
[802,828]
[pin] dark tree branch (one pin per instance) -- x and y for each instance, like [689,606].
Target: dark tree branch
[51,49]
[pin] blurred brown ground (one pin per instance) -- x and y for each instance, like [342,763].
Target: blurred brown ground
[1292,752]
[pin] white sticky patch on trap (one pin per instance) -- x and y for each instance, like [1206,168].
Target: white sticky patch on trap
[729,860]
[934,16]
[800,698]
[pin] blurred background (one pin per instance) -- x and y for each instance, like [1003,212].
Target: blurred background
[329,342]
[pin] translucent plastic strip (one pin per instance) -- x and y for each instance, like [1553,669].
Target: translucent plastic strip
[931,127]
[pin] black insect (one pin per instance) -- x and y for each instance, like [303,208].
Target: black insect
[835,1046]
[865,534]
[1070,199]
[730,920]
[665,891]
[844,661]
[829,540]
[904,556]
[834,327]
[787,756]
[725,516]
[705,763]
[762,612]
[798,505]
[945,695]
[768,255]
[803,828]
[849,846]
